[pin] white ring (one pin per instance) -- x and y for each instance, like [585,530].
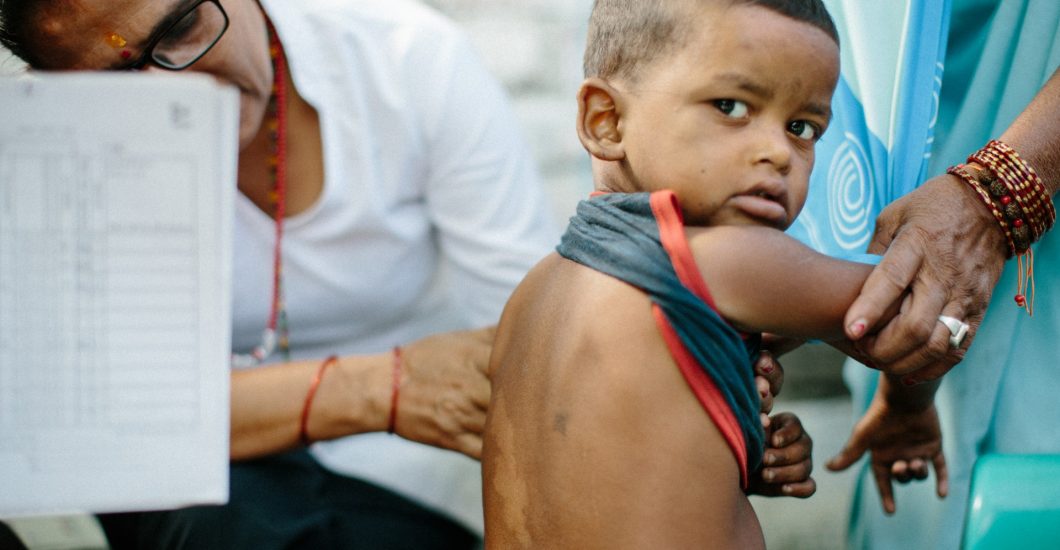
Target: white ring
[958,330]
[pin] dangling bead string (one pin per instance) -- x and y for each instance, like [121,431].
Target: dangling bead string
[1025,282]
[277,165]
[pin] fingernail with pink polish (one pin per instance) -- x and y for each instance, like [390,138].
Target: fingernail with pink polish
[857,328]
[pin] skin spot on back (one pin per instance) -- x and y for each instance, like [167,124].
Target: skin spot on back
[559,423]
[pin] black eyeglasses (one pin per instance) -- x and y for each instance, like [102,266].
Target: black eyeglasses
[192,32]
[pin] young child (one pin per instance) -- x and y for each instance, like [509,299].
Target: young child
[624,412]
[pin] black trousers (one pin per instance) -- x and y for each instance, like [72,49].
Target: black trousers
[291,501]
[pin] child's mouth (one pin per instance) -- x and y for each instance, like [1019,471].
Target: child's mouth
[763,208]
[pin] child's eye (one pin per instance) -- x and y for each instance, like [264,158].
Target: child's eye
[732,108]
[804,130]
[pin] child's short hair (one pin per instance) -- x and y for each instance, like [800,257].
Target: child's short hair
[626,34]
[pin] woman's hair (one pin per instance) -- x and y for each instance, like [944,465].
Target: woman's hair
[15,17]
[626,34]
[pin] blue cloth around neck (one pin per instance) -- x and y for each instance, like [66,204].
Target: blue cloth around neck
[617,234]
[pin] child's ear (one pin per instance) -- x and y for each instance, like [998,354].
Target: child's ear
[598,118]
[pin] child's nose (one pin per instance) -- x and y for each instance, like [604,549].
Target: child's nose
[774,147]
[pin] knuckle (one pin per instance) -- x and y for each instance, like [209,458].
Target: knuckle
[893,275]
[918,330]
[937,348]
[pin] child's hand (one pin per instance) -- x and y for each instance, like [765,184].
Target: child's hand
[902,442]
[787,462]
[769,378]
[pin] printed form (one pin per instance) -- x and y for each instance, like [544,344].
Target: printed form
[116,198]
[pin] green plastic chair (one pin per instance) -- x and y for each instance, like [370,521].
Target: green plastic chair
[1014,502]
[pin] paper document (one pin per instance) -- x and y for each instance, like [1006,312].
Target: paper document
[116,199]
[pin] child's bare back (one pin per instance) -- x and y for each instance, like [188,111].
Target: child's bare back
[620,453]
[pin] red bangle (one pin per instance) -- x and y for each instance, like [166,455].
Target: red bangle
[395,390]
[303,434]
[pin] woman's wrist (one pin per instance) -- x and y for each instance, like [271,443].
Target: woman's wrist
[1012,191]
[980,213]
[977,217]
[355,398]
[396,375]
[307,406]
[1018,200]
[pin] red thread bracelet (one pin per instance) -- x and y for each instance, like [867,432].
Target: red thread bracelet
[1019,202]
[395,390]
[303,434]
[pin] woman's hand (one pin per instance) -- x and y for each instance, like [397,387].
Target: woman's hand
[444,392]
[944,254]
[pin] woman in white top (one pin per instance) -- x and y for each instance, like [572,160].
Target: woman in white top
[410,206]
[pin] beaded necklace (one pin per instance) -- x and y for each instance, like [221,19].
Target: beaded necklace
[276,121]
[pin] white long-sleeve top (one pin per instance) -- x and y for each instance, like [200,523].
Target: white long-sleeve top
[431,213]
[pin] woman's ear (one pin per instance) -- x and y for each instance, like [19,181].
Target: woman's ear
[598,117]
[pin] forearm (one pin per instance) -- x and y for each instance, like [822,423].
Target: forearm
[267,403]
[1036,134]
[901,397]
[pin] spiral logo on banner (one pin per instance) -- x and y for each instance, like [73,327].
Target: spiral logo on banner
[850,197]
[936,100]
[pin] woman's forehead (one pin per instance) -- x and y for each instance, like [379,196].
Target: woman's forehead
[134,17]
[86,33]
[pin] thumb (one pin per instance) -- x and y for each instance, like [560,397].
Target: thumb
[852,451]
[885,285]
[485,334]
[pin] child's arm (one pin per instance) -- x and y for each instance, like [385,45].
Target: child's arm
[765,281]
[901,431]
